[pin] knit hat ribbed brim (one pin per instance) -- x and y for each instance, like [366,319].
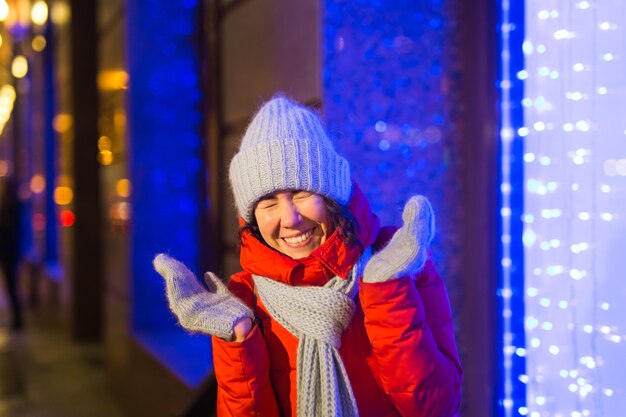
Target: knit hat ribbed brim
[286,147]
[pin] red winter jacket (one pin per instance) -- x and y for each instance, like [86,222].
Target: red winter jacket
[399,350]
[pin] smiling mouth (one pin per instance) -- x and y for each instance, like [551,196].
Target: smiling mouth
[298,239]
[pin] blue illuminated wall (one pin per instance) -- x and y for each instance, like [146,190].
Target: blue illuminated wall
[392,102]
[164,124]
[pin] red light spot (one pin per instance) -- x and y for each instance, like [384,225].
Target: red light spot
[39,222]
[67,218]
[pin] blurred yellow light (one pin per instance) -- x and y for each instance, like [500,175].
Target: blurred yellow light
[37,183]
[105,157]
[112,80]
[4,10]
[62,122]
[60,13]
[6,102]
[4,168]
[39,12]
[63,195]
[39,43]
[123,188]
[5,114]
[8,90]
[7,97]
[104,143]
[119,119]
[19,67]
[0,40]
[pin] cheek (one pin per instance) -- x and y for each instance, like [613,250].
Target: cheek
[323,217]
[328,225]
[266,225]
[314,209]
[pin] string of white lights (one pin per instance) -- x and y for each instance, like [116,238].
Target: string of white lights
[575,168]
[506,137]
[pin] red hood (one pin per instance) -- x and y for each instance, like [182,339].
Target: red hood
[333,257]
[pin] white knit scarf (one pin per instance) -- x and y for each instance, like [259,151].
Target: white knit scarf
[317,316]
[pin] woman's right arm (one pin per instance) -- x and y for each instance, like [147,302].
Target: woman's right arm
[242,367]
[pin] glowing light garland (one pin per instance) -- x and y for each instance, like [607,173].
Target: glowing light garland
[511,389]
[574,161]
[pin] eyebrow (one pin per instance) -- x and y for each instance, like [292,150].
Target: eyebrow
[273,196]
[267,197]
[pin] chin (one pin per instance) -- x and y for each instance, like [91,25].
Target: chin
[297,254]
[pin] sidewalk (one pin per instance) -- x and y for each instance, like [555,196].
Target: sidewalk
[44,374]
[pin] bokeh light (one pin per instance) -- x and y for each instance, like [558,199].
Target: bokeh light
[63,195]
[62,122]
[37,184]
[4,10]
[123,188]
[67,218]
[19,66]
[38,43]
[39,12]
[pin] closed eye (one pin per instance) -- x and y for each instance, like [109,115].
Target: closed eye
[267,203]
[266,206]
[298,195]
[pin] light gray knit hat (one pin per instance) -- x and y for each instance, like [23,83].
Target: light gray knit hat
[286,147]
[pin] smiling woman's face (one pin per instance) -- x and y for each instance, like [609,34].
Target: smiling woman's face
[293,222]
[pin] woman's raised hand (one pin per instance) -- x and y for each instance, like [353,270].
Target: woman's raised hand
[406,251]
[212,310]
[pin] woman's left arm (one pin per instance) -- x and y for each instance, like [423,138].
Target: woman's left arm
[409,324]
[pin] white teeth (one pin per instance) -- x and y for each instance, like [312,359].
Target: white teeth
[298,239]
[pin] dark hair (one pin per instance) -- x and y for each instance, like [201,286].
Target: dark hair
[341,220]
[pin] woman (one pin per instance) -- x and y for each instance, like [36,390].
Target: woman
[332,315]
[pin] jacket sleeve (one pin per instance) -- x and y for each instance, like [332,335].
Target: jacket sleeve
[242,368]
[409,324]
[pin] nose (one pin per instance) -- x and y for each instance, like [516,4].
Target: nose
[289,215]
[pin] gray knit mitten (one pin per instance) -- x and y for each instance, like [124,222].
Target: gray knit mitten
[406,251]
[214,311]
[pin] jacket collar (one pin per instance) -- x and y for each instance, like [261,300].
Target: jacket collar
[333,257]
